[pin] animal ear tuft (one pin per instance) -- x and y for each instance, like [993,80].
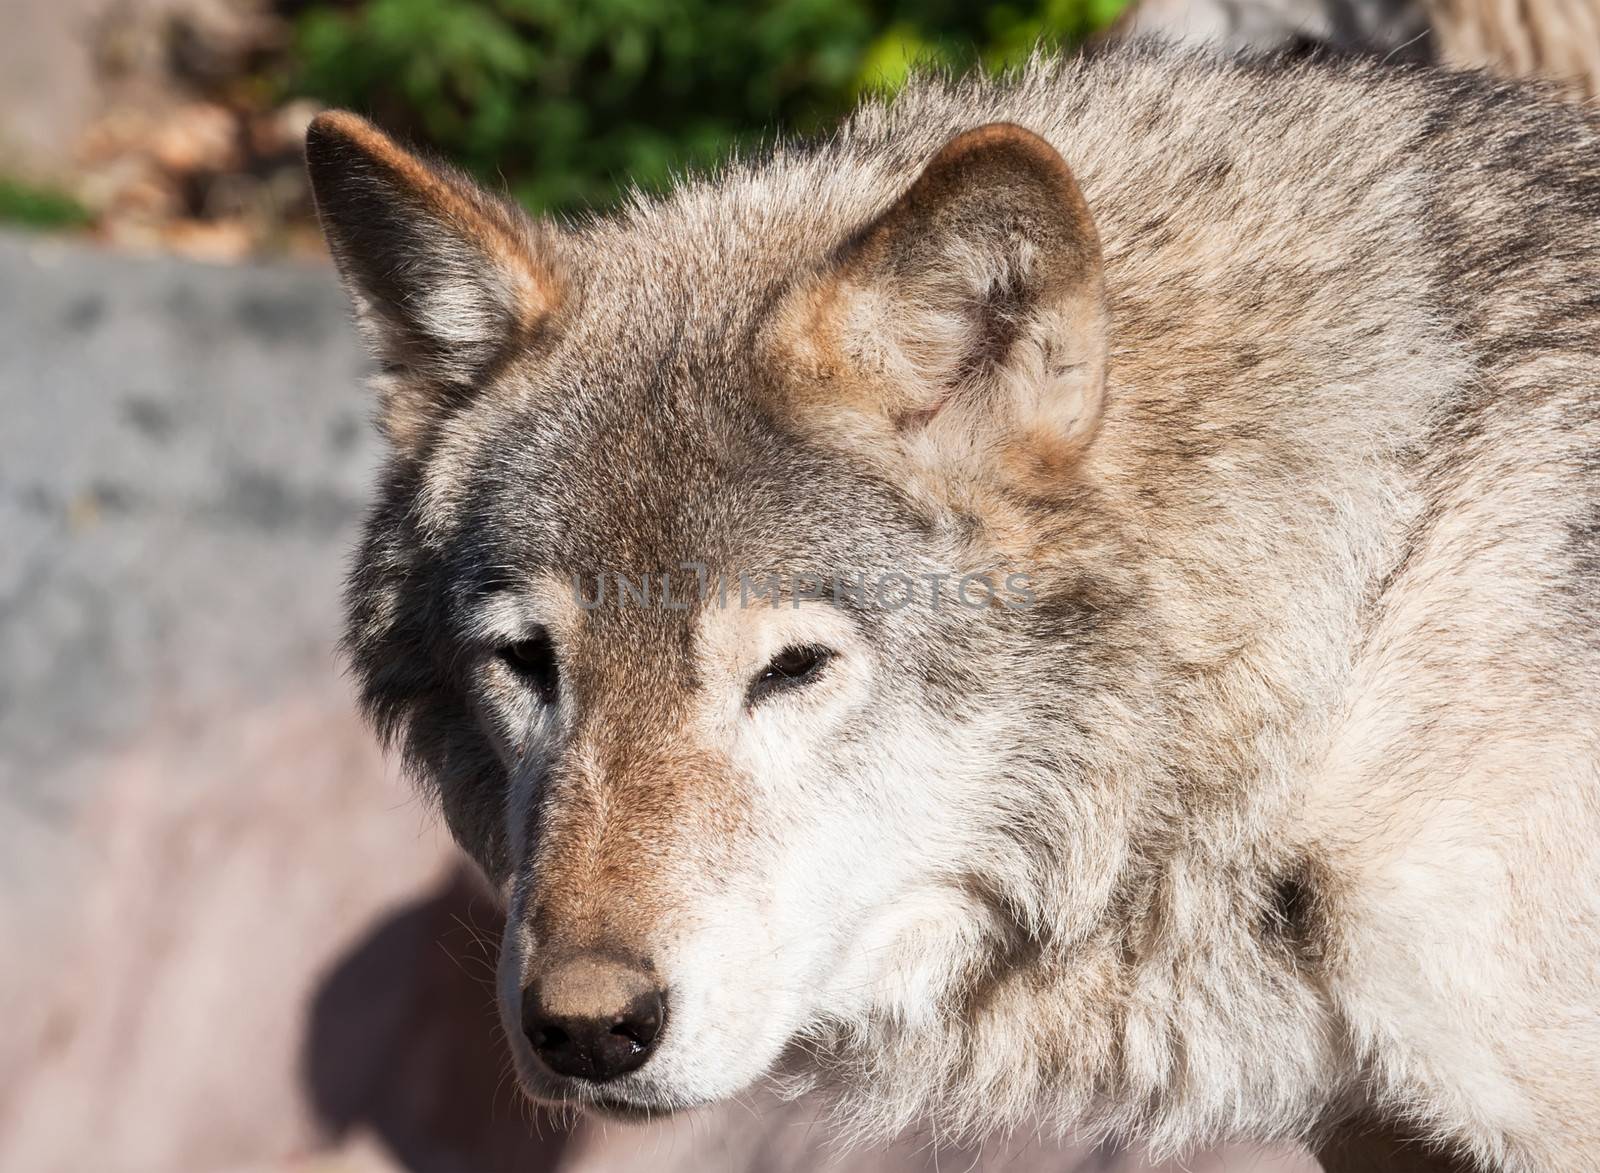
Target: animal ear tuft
[969,316]
[446,278]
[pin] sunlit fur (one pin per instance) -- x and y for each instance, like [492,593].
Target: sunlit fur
[1281,801]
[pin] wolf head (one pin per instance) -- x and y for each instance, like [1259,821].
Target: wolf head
[736,582]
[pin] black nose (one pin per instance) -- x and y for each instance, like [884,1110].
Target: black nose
[593,1018]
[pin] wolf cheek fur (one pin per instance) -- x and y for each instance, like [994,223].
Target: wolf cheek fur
[1278,806]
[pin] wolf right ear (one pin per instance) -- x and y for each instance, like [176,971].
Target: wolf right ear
[446,278]
[964,326]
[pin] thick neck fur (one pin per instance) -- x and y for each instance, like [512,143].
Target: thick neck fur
[1192,1009]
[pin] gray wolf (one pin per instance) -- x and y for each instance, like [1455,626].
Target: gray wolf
[1268,800]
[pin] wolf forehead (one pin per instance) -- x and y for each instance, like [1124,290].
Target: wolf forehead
[599,473]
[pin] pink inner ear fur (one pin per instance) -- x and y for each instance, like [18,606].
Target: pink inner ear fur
[903,356]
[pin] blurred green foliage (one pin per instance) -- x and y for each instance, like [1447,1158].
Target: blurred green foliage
[564,101]
[33,206]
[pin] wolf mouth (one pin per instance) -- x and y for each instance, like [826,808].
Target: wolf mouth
[615,1108]
[628,1111]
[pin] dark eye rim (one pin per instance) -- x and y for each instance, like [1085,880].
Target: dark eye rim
[532,660]
[793,668]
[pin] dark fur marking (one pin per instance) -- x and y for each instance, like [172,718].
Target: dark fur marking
[1290,917]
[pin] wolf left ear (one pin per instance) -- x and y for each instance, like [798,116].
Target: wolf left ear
[968,319]
[446,278]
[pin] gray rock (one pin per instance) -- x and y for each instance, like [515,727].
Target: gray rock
[183,458]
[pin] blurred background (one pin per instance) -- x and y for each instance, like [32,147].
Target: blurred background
[176,124]
[230,938]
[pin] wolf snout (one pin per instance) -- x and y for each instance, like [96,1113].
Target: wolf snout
[593,1017]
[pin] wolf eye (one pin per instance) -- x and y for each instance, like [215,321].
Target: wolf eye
[791,668]
[534,661]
